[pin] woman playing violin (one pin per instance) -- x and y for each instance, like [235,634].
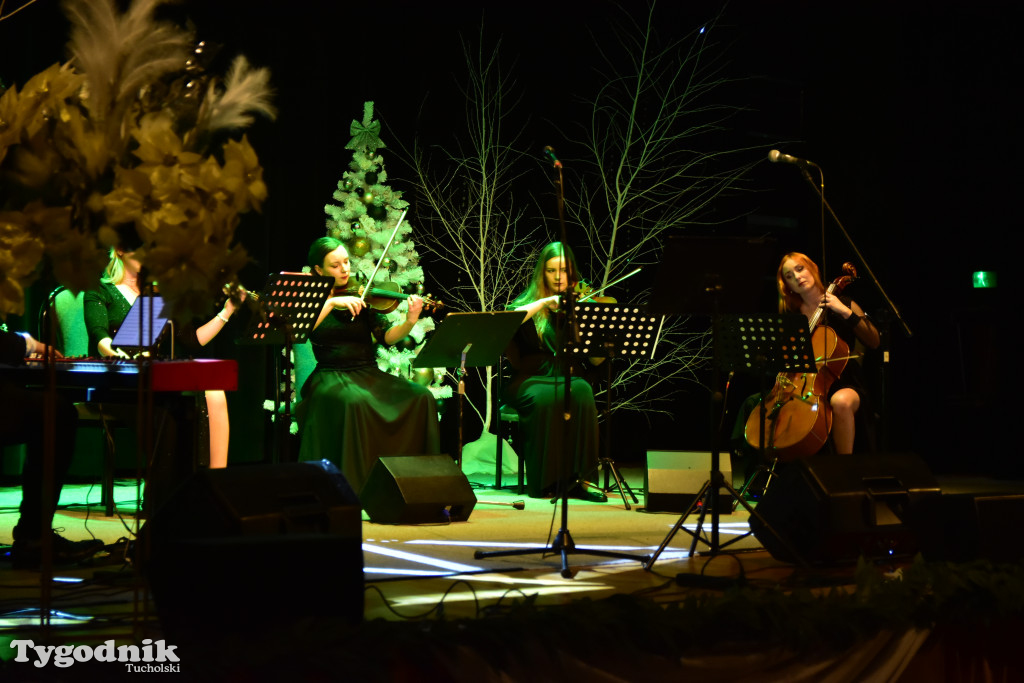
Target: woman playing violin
[537,387]
[350,411]
[801,290]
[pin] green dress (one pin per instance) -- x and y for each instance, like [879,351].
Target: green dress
[553,450]
[105,310]
[350,411]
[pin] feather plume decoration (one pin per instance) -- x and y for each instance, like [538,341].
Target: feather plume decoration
[122,137]
[246,91]
[121,53]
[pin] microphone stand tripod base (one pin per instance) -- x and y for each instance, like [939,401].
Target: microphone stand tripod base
[562,545]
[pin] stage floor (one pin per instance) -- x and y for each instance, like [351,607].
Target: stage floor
[430,572]
[411,569]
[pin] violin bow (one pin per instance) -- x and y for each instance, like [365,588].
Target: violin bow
[383,255]
[597,292]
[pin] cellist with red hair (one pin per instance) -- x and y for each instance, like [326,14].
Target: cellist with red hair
[802,291]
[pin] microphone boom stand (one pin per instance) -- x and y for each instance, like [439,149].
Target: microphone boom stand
[562,543]
[775,156]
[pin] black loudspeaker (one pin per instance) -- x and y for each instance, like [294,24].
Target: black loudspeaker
[255,548]
[974,526]
[417,489]
[833,509]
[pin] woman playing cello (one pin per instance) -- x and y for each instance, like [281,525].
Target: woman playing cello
[801,290]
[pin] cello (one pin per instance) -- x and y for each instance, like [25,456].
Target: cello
[800,416]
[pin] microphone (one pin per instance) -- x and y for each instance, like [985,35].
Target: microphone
[550,152]
[775,156]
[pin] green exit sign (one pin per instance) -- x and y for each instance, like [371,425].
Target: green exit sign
[984,279]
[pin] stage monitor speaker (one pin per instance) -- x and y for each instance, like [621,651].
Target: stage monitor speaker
[254,548]
[833,509]
[672,480]
[417,489]
[974,526]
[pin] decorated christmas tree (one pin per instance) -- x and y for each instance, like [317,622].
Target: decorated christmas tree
[364,217]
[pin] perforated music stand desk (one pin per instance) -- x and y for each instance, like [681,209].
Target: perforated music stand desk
[469,340]
[759,344]
[628,329]
[613,331]
[766,346]
[289,306]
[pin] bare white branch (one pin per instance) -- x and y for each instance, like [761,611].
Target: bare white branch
[652,168]
[476,225]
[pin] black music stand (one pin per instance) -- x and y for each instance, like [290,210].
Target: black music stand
[289,306]
[613,331]
[468,340]
[766,345]
[750,344]
[563,543]
[727,281]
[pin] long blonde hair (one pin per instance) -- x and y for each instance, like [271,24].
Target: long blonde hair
[538,288]
[114,272]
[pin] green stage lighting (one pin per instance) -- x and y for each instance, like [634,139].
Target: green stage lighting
[984,279]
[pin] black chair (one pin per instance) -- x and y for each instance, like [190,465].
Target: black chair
[505,418]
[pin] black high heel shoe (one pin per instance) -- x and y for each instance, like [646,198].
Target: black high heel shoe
[581,492]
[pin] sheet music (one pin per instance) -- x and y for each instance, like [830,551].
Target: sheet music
[136,331]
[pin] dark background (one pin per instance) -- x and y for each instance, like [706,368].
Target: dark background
[911,109]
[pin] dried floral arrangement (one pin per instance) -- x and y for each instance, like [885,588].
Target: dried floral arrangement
[129,139]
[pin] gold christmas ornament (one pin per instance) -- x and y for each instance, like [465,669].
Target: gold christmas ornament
[423,376]
[360,247]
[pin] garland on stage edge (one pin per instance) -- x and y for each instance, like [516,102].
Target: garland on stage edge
[971,607]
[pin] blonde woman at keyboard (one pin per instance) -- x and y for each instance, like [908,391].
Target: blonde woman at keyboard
[107,307]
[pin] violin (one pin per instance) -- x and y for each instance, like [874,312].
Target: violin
[799,415]
[584,292]
[383,297]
